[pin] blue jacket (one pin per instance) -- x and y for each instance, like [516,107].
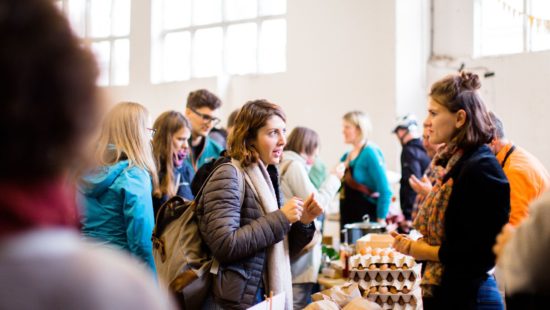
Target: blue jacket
[210,151]
[369,169]
[186,175]
[118,209]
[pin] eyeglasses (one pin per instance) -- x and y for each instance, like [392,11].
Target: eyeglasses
[207,118]
[152,132]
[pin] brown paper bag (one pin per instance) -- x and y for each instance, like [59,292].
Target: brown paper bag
[322,305]
[360,303]
[340,294]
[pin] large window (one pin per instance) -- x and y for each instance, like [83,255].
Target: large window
[205,38]
[105,25]
[511,26]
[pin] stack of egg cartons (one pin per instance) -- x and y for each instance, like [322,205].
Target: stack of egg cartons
[387,277]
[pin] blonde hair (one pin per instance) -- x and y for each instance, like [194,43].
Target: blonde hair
[361,121]
[124,136]
[166,125]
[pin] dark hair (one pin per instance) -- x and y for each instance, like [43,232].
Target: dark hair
[302,139]
[499,127]
[203,98]
[252,116]
[459,92]
[166,125]
[231,118]
[48,91]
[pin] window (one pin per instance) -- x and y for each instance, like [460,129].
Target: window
[511,26]
[105,24]
[206,38]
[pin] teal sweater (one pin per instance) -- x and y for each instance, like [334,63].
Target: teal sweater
[210,151]
[369,169]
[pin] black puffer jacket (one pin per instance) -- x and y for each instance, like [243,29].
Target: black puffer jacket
[239,237]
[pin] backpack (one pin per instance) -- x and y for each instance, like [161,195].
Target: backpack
[183,260]
[205,170]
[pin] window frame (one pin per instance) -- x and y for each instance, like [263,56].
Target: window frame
[88,40]
[527,29]
[224,24]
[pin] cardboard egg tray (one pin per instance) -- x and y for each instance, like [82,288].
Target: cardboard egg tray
[399,285]
[359,261]
[412,300]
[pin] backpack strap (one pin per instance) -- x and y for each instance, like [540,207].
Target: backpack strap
[510,151]
[240,179]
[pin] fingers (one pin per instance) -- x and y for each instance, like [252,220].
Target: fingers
[298,201]
[401,242]
[414,183]
[309,199]
[293,209]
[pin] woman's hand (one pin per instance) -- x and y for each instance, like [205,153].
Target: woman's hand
[422,187]
[502,239]
[293,209]
[401,243]
[312,209]
[419,249]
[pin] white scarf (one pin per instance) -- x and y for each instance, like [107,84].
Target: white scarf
[278,263]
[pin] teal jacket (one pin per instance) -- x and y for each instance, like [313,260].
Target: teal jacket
[369,169]
[118,209]
[210,151]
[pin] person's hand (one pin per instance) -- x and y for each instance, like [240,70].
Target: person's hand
[293,209]
[502,239]
[422,186]
[338,170]
[401,243]
[312,209]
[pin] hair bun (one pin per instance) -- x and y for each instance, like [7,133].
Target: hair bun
[469,81]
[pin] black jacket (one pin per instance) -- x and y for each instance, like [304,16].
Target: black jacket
[239,237]
[479,206]
[414,161]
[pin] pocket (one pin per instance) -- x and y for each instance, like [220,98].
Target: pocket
[230,282]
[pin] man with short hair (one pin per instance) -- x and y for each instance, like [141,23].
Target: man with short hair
[527,176]
[414,161]
[202,110]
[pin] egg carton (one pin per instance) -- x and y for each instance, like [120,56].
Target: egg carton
[398,260]
[401,307]
[399,286]
[412,300]
[378,275]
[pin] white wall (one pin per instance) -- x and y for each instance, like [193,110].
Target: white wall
[518,92]
[341,56]
[412,55]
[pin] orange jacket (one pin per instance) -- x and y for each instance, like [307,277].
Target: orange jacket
[528,180]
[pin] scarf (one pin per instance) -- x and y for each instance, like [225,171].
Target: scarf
[37,205]
[278,262]
[430,221]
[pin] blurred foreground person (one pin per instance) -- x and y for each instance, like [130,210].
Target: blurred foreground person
[49,107]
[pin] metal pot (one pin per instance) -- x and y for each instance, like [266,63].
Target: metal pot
[352,232]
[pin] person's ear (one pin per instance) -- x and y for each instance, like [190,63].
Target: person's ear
[460,118]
